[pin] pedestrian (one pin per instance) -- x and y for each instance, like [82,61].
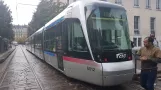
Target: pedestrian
[155,43]
[149,56]
[132,44]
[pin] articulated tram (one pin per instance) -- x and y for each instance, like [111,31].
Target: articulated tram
[88,41]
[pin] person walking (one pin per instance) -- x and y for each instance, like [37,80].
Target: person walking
[149,56]
[155,42]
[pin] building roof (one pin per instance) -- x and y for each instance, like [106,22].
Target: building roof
[19,26]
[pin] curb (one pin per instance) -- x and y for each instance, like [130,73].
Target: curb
[8,54]
[6,63]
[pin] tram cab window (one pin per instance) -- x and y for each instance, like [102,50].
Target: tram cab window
[76,39]
[108,28]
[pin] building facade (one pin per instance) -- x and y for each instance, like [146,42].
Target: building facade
[20,33]
[144,18]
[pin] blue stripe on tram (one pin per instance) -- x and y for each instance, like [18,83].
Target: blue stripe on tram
[49,53]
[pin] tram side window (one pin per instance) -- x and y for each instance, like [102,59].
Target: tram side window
[32,42]
[38,41]
[76,39]
[50,42]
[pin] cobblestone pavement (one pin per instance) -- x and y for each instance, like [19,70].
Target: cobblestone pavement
[19,75]
[26,72]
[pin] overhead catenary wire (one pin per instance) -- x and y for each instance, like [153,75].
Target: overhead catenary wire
[17,12]
[26,4]
[17,8]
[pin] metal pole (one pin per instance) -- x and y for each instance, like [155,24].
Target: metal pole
[135,65]
[135,61]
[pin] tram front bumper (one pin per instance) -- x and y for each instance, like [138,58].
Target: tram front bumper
[114,80]
[117,73]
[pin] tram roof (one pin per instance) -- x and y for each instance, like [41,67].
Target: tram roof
[80,2]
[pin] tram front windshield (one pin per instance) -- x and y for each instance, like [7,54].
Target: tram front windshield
[108,28]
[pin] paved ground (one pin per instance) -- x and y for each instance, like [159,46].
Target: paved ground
[26,72]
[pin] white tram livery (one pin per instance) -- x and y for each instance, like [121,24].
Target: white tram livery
[88,41]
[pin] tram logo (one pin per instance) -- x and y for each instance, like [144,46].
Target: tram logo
[120,55]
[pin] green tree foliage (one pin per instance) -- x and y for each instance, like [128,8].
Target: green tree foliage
[46,10]
[5,21]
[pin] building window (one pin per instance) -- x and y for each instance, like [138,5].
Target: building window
[136,3]
[136,25]
[152,25]
[148,4]
[158,4]
[118,1]
[137,41]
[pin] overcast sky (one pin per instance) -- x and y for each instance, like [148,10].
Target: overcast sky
[24,12]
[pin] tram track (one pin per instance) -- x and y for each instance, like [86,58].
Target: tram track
[73,82]
[33,71]
[49,78]
[41,76]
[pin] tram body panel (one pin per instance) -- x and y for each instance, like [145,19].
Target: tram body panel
[39,53]
[51,59]
[85,70]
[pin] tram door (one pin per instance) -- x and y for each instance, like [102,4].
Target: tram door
[59,48]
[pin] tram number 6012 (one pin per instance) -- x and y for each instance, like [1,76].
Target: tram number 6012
[91,69]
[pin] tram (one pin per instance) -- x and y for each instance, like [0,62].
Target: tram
[88,41]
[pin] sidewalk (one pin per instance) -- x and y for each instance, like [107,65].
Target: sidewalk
[4,60]
[4,55]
